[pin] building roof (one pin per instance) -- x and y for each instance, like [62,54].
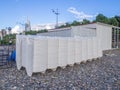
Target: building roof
[88,26]
[108,25]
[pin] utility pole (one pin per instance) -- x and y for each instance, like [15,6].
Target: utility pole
[56,13]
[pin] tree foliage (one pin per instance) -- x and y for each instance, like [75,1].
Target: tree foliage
[101,18]
[8,39]
[113,21]
[33,32]
[11,38]
[118,19]
[75,23]
[85,21]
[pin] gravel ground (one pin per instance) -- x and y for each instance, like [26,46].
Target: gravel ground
[100,74]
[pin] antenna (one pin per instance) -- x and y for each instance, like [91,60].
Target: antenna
[56,13]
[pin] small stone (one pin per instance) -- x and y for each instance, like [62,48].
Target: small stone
[14,87]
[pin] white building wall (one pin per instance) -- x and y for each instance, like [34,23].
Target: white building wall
[74,31]
[63,52]
[78,50]
[50,52]
[18,51]
[71,51]
[83,31]
[104,33]
[53,52]
[38,53]
[60,33]
[30,56]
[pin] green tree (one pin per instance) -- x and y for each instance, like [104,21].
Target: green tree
[75,23]
[67,24]
[85,21]
[6,39]
[118,19]
[101,18]
[113,21]
[32,32]
[62,26]
[42,31]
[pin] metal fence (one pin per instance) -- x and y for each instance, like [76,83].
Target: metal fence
[5,53]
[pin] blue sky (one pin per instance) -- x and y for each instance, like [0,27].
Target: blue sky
[39,11]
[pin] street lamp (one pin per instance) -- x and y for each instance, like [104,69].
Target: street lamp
[56,13]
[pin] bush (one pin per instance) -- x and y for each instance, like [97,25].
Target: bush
[8,39]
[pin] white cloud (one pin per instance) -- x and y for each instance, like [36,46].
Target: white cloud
[17,29]
[80,15]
